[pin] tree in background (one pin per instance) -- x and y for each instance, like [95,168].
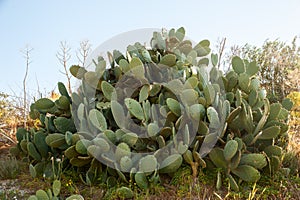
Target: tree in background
[279,65]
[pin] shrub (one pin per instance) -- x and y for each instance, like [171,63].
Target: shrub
[163,102]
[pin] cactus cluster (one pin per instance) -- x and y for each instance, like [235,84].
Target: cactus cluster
[155,109]
[53,194]
[49,138]
[256,131]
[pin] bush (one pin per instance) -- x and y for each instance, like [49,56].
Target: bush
[163,103]
[279,64]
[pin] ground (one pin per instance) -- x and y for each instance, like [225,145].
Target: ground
[21,185]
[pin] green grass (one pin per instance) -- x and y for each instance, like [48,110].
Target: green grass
[9,168]
[181,186]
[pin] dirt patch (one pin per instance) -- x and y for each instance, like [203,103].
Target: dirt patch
[10,189]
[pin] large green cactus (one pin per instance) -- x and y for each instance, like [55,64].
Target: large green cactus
[163,102]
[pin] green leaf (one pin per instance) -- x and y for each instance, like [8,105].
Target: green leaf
[32,171]
[247,173]
[283,115]
[252,68]
[126,164]
[252,97]
[275,109]
[93,80]
[81,111]
[135,62]
[137,67]
[171,163]
[125,192]
[213,118]
[44,103]
[287,103]
[209,93]
[214,59]
[100,68]
[107,90]
[232,183]
[197,111]
[244,81]
[102,143]
[148,164]
[238,65]
[98,120]
[118,113]
[152,129]
[174,106]
[189,97]
[129,138]
[256,160]
[203,61]
[117,55]
[273,151]
[230,149]
[269,133]
[41,194]
[180,33]
[75,197]
[168,60]
[204,43]
[135,108]
[144,93]
[82,145]
[124,65]
[191,83]
[56,187]
[77,71]
[216,155]
[202,51]
[68,137]
[33,197]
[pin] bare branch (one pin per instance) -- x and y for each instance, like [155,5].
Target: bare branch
[38,87]
[83,52]
[7,137]
[63,56]
[221,50]
[26,54]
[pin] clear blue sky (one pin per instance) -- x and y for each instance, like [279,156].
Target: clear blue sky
[43,24]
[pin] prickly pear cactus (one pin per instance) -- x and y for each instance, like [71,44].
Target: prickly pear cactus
[154,109]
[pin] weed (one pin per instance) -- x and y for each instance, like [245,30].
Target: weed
[9,168]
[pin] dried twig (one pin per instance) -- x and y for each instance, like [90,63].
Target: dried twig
[83,52]
[221,50]
[63,57]
[7,137]
[26,52]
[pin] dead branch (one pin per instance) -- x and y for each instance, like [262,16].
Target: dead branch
[83,52]
[63,56]
[7,137]
[221,50]
[26,53]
